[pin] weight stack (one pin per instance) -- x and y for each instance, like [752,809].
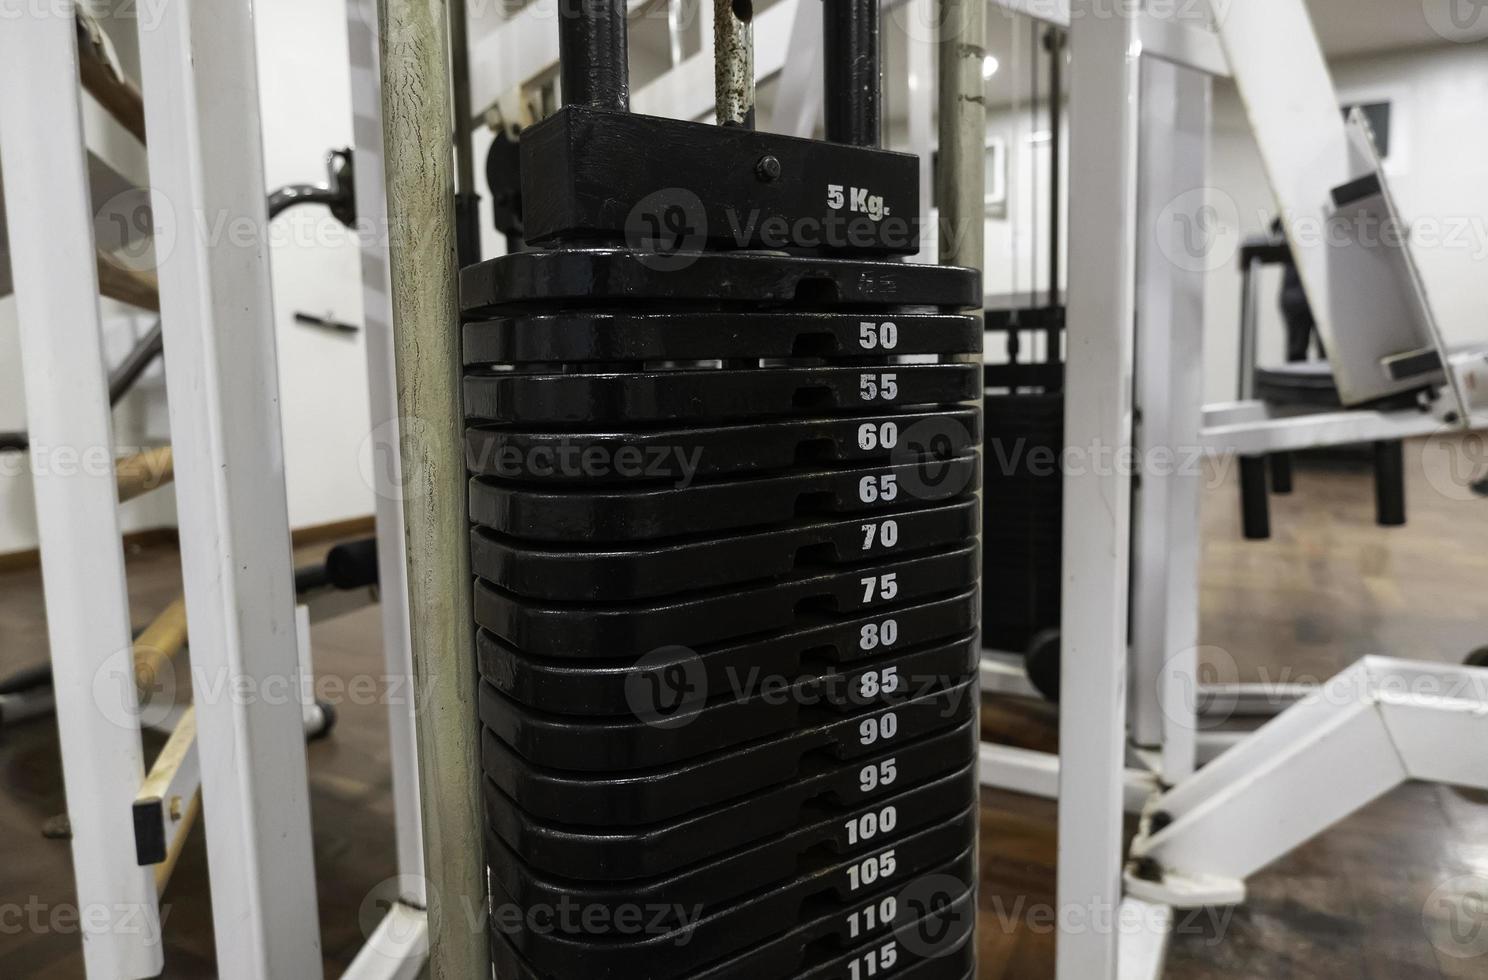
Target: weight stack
[724,533]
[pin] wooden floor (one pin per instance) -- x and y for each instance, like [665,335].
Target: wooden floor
[1397,891]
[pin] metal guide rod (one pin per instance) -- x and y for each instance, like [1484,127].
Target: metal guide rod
[420,201]
[733,61]
[592,54]
[963,127]
[382,404]
[851,67]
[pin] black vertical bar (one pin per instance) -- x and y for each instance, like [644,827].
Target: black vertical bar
[1255,507]
[1389,483]
[1281,473]
[591,54]
[1054,41]
[851,71]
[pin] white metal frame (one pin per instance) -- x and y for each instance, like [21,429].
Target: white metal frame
[241,743]
[1209,847]
[206,165]
[50,219]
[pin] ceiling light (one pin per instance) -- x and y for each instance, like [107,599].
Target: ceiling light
[989,66]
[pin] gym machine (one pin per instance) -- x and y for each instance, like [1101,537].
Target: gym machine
[723,451]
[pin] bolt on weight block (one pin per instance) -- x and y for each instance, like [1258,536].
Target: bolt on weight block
[637,456]
[712,394]
[610,688]
[615,575]
[818,763]
[801,912]
[934,946]
[816,713]
[571,629]
[583,515]
[619,277]
[614,852]
[587,336]
[928,829]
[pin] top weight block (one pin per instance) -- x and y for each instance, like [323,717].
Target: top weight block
[593,174]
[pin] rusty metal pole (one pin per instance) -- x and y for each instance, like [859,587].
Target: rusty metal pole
[733,61]
[963,132]
[417,131]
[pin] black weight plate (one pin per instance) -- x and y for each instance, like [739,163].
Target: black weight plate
[826,762]
[815,711]
[609,688]
[644,946]
[611,631]
[936,821]
[637,456]
[934,947]
[616,575]
[711,395]
[596,515]
[616,853]
[615,276]
[578,336]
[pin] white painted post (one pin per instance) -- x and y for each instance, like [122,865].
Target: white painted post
[1170,396]
[206,166]
[50,220]
[1097,496]
[384,469]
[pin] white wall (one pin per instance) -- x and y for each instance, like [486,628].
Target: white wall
[1438,147]
[304,88]
[305,93]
